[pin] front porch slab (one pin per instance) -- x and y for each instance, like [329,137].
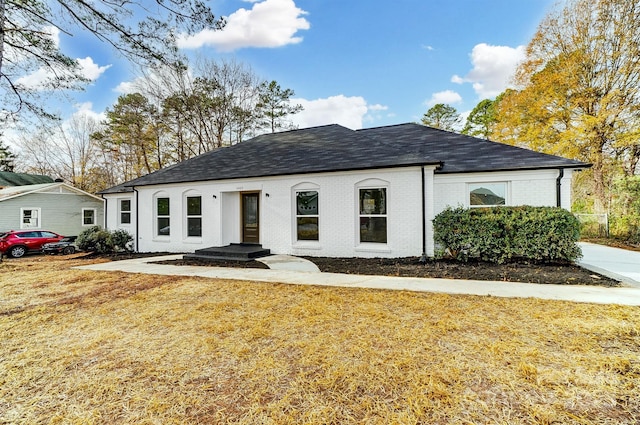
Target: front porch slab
[234,251]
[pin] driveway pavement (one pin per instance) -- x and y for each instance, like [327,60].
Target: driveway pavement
[616,263]
[577,293]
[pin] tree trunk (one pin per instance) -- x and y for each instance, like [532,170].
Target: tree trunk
[2,7]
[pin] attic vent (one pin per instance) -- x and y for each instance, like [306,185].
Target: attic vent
[59,180]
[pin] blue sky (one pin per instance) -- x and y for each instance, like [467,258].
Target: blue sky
[356,63]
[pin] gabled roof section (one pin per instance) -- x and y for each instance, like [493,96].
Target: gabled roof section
[334,148]
[312,150]
[465,154]
[8,178]
[51,188]
[121,188]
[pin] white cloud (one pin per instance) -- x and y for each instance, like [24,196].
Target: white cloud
[269,23]
[346,111]
[86,109]
[39,79]
[126,87]
[90,70]
[493,68]
[34,80]
[378,107]
[448,97]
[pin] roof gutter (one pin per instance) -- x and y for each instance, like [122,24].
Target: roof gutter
[437,164]
[566,167]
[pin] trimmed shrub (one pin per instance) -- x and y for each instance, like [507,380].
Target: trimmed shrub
[121,240]
[508,234]
[102,241]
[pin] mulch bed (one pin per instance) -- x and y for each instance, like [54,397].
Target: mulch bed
[562,274]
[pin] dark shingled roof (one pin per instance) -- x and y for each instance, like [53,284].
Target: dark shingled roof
[465,154]
[336,148]
[8,178]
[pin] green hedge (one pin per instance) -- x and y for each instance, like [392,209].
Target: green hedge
[508,234]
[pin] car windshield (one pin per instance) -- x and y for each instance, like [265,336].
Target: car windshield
[3,235]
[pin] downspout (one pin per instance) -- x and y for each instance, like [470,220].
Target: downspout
[559,187]
[104,210]
[137,220]
[423,258]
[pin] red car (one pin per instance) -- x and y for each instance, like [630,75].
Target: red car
[17,243]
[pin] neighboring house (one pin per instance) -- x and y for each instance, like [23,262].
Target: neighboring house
[331,191]
[57,207]
[8,179]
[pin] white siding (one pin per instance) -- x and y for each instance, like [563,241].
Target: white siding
[535,188]
[59,212]
[112,212]
[338,214]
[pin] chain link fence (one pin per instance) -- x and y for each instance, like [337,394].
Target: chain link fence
[594,225]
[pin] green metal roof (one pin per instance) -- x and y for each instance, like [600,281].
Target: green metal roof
[8,178]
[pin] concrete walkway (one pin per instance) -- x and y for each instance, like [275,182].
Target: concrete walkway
[619,264]
[288,262]
[577,293]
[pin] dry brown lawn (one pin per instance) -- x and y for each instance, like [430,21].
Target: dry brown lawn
[83,347]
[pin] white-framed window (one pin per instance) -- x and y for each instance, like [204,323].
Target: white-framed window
[88,216]
[307,215]
[124,213]
[487,194]
[163,220]
[194,216]
[372,214]
[30,218]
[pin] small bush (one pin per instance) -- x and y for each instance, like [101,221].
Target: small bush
[508,234]
[96,239]
[625,227]
[121,240]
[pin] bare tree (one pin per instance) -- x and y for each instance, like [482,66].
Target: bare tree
[67,152]
[28,29]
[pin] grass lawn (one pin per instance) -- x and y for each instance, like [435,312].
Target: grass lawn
[83,347]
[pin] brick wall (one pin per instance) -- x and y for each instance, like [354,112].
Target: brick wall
[338,209]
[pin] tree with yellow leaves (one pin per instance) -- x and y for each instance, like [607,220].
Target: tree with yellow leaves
[578,90]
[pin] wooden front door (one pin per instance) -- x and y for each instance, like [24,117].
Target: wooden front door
[251,217]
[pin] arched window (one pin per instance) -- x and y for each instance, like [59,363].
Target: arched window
[307,212]
[372,210]
[162,209]
[193,214]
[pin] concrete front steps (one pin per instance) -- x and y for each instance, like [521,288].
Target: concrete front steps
[233,252]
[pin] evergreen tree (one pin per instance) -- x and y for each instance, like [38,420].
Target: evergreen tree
[481,120]
[7,158]
[442,116]
[274,106]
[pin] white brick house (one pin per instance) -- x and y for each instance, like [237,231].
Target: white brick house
[331,191]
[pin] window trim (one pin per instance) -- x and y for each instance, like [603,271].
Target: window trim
[121,211]
[297,216]
[372,183]
[507,200]
[156,233]
[305,186]
[187,195]
[95,216]
[38,218]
